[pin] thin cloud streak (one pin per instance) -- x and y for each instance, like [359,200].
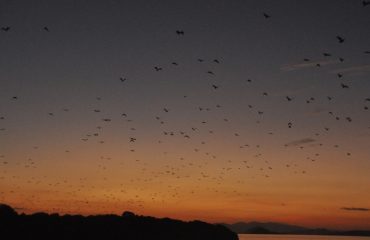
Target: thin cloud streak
[355,209]
[298,66]
[353,69]
[300,142]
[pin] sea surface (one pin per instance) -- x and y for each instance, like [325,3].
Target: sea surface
[296,237]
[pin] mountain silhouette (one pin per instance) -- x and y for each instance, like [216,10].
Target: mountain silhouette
[281,228]
[128,226]
[259,230]
[242,227]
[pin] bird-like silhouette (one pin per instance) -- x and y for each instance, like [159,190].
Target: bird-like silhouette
[5,29]
[266,15]
[180,32]
[349,119]
[203,120]
[340,39]
[365,3]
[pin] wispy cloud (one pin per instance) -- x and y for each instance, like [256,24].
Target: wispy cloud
[353,69]
[298,66]
[355,209]
[300,142]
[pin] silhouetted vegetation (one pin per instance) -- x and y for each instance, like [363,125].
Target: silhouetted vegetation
[128,226]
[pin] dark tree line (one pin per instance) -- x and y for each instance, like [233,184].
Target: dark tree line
[128,226]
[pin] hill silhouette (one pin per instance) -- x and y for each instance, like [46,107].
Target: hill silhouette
[281,228]
[259,230]
[128,226]
[242,227]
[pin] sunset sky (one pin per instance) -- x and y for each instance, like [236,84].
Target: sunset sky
[251,118]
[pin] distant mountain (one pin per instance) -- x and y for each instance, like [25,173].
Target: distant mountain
[259,230]
[281,228]
[128,226]
[242,227]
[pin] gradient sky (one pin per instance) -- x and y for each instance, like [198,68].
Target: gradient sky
[218,155]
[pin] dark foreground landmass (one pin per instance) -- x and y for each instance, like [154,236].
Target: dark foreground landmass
[281,228]
[107,227]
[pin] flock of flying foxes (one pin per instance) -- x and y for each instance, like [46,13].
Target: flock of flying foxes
[178,171]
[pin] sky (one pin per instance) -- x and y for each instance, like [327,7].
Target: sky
[259,111]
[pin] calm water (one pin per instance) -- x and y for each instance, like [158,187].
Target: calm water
[296,237]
